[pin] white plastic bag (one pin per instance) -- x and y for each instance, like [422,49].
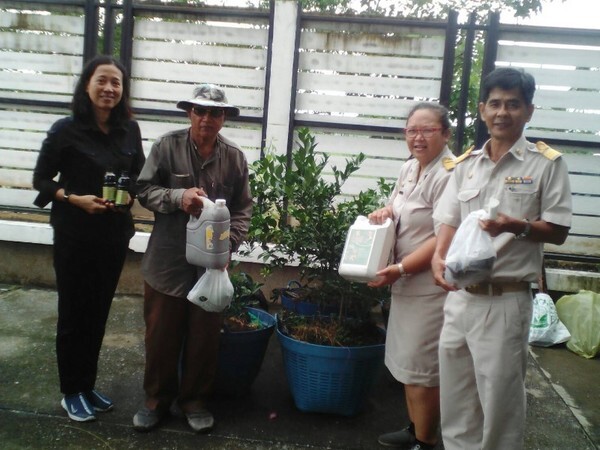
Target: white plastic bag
[546,328]
[471,254]
[213,292]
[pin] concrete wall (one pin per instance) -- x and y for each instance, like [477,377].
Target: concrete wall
[31,265]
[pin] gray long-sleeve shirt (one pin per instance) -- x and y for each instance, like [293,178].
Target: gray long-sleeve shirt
[172,167]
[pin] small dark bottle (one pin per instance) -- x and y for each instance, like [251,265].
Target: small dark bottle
[122,190]
[109,188]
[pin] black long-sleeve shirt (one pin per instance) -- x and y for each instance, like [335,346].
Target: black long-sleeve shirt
[82,154]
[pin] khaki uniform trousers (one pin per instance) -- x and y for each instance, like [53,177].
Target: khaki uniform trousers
[182,347]
[483,359]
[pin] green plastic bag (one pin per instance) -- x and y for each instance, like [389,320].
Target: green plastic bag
[581,315]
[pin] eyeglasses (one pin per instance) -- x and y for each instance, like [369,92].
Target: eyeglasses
[425,132]
[212,112]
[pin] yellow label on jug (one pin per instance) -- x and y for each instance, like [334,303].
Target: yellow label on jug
[210,232]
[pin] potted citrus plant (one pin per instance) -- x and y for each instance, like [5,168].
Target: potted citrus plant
[302,219]
[247,327]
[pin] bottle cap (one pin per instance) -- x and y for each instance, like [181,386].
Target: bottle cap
[492,208]
[220,202]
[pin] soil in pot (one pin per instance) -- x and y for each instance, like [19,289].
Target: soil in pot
[332,331]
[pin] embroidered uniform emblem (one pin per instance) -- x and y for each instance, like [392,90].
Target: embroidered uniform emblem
[518,180]
[547,151]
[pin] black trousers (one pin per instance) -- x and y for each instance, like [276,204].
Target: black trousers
[87,274]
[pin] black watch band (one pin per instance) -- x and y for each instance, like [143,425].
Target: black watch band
[526,232]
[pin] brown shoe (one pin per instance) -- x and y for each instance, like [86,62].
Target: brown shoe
[201,421]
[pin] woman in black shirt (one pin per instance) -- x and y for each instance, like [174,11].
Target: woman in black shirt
[91,234]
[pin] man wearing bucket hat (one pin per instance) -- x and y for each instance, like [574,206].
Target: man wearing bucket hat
[182,339]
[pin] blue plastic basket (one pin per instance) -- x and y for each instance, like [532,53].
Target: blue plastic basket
[299,307]
[334,380]
[302,307]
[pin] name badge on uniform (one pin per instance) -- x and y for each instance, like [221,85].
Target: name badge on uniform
[518,180]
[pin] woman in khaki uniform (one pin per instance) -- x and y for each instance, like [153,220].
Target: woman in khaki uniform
[416,313]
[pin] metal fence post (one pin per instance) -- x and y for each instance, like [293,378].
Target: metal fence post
[449,58]
[90,39]
[127,35]
[463,100]
[489,60]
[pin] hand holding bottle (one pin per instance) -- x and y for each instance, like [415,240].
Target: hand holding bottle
[89,203]
[191,202]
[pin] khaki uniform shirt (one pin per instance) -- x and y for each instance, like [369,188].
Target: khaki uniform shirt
[413,203]
[172,167]
[528,186]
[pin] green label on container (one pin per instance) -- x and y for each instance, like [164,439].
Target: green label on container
[358,250]
[121,199]
[109,193]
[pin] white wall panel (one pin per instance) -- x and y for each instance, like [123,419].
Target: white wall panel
[54,23]
[529,54]
[40,62]
[406,42]
[368,64]
[42,43]
[199,31]
[380,70]
[182,52]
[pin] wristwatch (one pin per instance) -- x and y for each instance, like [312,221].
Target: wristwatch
[526,232]
[402,271]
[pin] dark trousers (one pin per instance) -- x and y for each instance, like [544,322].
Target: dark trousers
[87,274]
[182,347]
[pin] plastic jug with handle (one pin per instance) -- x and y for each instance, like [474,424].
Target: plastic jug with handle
[207,236]
[367,250]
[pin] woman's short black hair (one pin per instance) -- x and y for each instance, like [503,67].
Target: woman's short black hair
[81,104]
[440,110]
[507,78]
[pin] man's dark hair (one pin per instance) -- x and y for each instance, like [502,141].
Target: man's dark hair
[507,78]
[81,105]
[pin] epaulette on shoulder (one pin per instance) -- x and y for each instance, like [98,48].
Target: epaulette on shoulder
[450,163]
[547,151]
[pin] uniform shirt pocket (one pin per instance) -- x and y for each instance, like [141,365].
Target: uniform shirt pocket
[181,180]
[469,200]
[521,201]
[226,192]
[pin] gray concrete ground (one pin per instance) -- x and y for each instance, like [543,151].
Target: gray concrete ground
[563,395]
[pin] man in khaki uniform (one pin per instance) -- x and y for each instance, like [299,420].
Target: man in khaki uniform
[484,340]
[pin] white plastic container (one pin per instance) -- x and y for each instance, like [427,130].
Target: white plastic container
[207,236]
[367,250]
[492,208]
